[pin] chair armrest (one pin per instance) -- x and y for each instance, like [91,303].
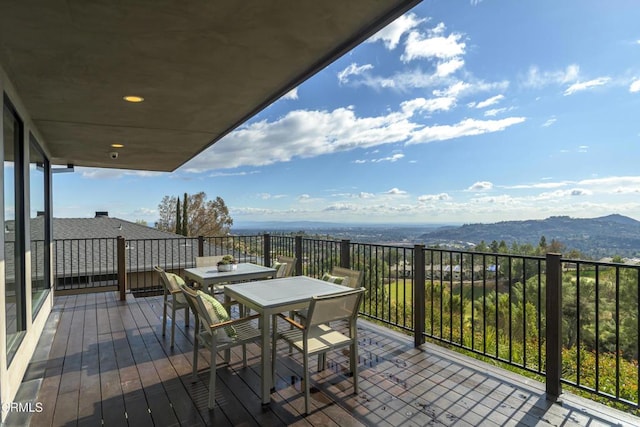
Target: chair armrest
[234,321]
[290,321]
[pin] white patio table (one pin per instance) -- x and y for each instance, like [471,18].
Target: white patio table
[210,277]
[270,297]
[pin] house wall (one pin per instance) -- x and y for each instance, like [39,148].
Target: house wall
[11,374]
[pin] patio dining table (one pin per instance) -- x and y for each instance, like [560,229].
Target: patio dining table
[210,278]
[270,297]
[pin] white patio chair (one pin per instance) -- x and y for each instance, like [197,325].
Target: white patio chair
[174,299]
[208,261]
[340,276]
[285,266]
[316,337]
[216,331]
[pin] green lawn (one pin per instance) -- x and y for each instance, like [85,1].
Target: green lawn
[397,291]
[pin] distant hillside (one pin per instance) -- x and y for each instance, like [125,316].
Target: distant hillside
[595,237]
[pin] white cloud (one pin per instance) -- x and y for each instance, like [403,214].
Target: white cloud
[635,86]
[223,174]
[564,194]
[359,161]
[494,112]
[393,158]
[446,68]
[269,196]
[460,88]
[364,195]
[537,185]
[434,197]
[490,101]
[341,207]
[581,86]
[549,122]
[583,148]
[292,94]
[537,79]
[444,103]
[433,45]
[395,191]
[467,127]
[481,186]
[104,173]
[305,134]
[352,70]
[391,34]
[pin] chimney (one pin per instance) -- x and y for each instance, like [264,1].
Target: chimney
[102,214]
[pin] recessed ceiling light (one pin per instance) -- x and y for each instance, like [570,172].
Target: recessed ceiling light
[133,98]
[117,145]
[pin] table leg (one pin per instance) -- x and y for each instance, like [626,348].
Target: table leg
[267,382]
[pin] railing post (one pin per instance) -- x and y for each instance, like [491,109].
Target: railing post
[200,245]
[418,295]
[266,249]
[122,267]
[298,253]
[554,326]
[345,253]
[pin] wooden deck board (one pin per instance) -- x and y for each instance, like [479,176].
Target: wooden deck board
[108,362]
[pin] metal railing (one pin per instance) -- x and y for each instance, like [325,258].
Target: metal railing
[81,264]
[573,322]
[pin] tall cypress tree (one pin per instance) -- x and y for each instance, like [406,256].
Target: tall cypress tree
[178,219]
[185,217]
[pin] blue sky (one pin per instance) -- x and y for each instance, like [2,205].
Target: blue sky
[458,112]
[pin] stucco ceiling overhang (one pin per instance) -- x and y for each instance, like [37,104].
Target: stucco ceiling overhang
[203,67]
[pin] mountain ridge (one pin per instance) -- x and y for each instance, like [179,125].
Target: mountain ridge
[608,235]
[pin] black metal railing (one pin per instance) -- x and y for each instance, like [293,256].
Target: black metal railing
[85,264]
[573,322]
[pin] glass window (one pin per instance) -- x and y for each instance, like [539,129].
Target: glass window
[13,235]
[39,216]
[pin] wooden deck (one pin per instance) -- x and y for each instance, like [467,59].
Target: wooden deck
[102,361]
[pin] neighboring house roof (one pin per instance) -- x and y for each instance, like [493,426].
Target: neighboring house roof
[88,246]
[105,227]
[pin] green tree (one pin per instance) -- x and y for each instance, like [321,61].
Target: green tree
[185,212]
[203,217]
[178,217]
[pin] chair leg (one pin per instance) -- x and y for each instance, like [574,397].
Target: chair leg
[186,316]
[322,361]
[274,339]
[307,394]
[212,380]
[244,355]
[354,366]
[196,346]
[173,324]
[164,319]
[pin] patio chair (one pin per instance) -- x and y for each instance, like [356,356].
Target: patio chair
[216,331]
[208,261]
[316,337]
[285,266]
[173,299]
[341,276]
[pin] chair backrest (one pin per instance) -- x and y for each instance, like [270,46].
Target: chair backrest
[170,283]
[288,267]
[190,296]
[208,261]
[328,308]
[355,277]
